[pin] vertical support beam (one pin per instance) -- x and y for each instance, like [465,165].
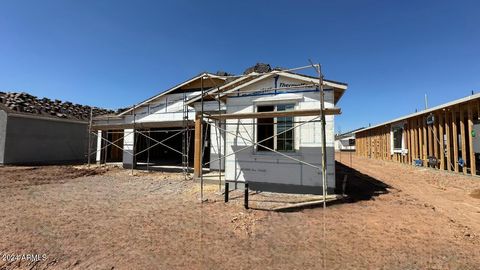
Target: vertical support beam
[407,139]
[435,139]
[413,141]
[406,143]
[370,144]
[98,156]
[448,136]
[197,161]
[455,138]
[324,138]
[385,145]
[441,139]
[419,139]
[389,144]
[414,138]
[464,143]
[227,189]
[106,148]
[89,138]
[245,203]
[430,139]
[134,146]
[473,165]
[127,153]
[425,142]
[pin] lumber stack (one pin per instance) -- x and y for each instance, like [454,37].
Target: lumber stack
[26,103]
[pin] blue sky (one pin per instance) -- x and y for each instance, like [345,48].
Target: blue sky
[116,53]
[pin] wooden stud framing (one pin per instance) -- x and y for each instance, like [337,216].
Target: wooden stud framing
[409,143]
[415,138]
[473,165]
[420,141]
[455,139]
[442,141]
[463,138]
[424,132]
[430,140]
[448,135]
[412,137]
[388,143]
[405,142]
[435,140]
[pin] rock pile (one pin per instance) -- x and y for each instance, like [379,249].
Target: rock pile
[26,103]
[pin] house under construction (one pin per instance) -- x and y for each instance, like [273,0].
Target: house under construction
[262,128]
[444,137]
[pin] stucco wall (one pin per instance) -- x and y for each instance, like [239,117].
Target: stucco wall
[41,141]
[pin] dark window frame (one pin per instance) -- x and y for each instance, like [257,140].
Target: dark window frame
[267,127]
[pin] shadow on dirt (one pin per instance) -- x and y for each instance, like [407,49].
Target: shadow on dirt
[359,186]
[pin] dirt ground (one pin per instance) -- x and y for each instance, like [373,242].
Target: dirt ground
[394,217]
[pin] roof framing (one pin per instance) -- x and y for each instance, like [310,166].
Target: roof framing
[147,101]
[439,107]
[224,90]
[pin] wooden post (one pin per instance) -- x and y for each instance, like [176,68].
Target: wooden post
[197,161]
[430,139]
[409,144]
[385,138]
[442,142]
[383,141]
[447,134]
[385,144]
[425,142]
[389,146]
[406,143]
[473,165]
[435,138]
[420,136]
[464,143]
[415,139]
[455,138]
[412,138]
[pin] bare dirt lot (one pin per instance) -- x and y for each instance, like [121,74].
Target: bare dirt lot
[395,217]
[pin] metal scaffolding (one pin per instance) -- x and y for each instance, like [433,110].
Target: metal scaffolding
[212,118]
[217,121]
[147,135]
